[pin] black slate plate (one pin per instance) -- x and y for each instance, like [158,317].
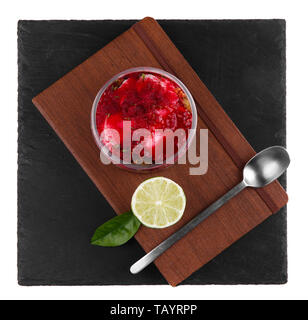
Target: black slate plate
[241,62]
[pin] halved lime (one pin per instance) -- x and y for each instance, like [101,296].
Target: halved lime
[158,202]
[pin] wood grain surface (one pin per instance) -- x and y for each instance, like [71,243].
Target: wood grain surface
[67,104]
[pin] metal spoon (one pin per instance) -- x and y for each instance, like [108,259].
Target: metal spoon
[265,167]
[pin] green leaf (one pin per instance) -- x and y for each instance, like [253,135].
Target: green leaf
[116,231]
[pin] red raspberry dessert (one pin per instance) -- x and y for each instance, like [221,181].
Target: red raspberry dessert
[150,101]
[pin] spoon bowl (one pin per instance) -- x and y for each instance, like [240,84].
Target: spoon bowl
[266,166]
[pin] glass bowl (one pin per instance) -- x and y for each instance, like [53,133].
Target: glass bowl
[143,167]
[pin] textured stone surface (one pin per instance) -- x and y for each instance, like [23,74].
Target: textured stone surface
[241,62]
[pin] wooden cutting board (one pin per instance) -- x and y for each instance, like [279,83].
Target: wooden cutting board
[66,105]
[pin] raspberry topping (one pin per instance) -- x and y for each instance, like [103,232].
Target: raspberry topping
[150,101]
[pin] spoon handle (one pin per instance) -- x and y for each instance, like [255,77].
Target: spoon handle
[166,244]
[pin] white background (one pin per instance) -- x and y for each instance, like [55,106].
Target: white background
[297,89]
